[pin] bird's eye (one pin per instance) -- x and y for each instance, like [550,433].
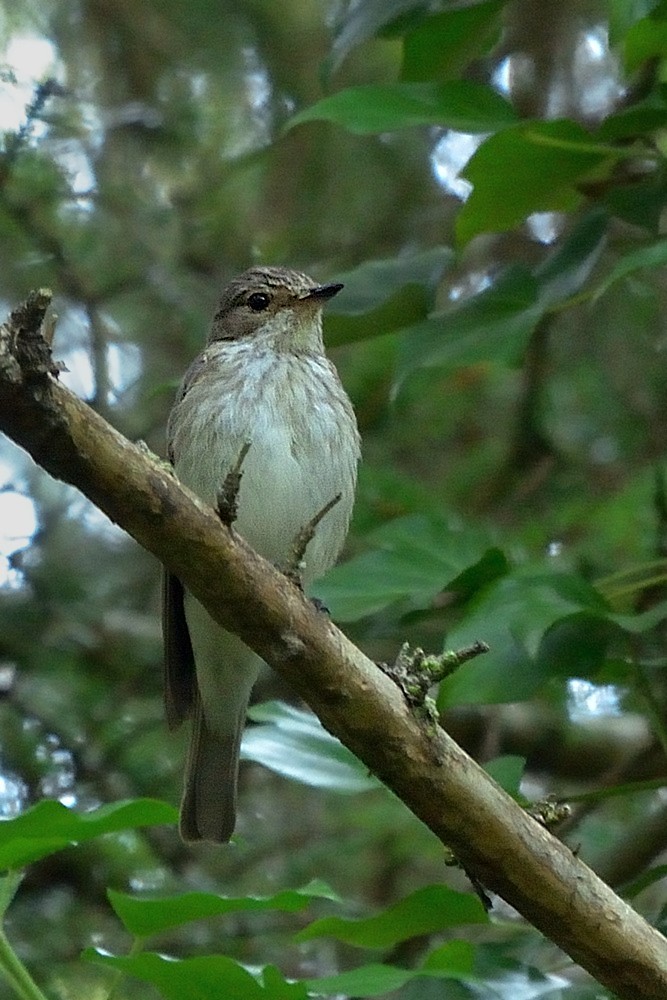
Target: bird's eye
[258,301]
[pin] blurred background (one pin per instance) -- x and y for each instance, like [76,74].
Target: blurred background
[146,159]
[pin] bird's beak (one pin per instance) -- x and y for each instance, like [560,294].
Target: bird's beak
[322,292]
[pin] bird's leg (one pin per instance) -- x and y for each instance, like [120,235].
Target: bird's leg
[295,561]
[228,495]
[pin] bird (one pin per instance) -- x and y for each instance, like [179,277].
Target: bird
[262,388]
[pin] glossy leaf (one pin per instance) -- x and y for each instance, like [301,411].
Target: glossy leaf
[426,911]
[384,295]
[452,955]
[647,39]
[216,976]
[199,978]
[512,616]
[50,826]
[636,119]
[375,108]
[374,282]
[539,628]
[651,255]
[576,645]
[508,772]
[444,44]
[374,980]
[529,168]
[362,21]
[293,743]
[144,916]
[412,559]
[493,325]
[565,270]
[641,203]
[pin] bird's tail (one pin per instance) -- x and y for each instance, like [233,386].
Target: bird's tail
[208,807]
[226,672]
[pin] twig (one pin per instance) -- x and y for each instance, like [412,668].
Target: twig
[294,566]
[228,496]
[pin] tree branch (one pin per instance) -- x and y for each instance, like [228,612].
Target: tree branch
[493,838]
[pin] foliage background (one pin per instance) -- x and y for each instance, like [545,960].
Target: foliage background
[505,355]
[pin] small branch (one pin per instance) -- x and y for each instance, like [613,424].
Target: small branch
[228,497]
[550,812]
[16,142]
[530,452]
[27,340]
[294,567]
[415,673]
[11,967]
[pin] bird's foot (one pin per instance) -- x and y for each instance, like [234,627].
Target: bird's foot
[293,570]
[227,501]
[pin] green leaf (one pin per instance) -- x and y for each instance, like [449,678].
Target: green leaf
[636,119]
[513,615]
[361,22]
[209,976]
[49,827]
[642,622]
[278,988]
[375,980]
[454,956]
[641,204]
[199,978]
[142,916]
[414,558]
[567,268]
[493,325]
[443,45]
[623,14]
[293,743]
[375,108]
[507,676]
[508,772]
[426,911]
[10,883]
[647,878]
[369,980]
[651,255]
[528,168]
[645,40]
[384,295]
[374,282]
[576,645]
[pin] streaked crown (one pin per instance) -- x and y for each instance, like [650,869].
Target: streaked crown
[271,298]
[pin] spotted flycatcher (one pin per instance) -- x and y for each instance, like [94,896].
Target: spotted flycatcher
[262,381]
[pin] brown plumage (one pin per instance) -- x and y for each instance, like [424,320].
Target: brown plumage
[263,378]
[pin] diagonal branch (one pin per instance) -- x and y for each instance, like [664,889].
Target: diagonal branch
[494,839]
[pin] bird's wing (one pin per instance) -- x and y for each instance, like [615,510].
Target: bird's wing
[180,682]
[179,663]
